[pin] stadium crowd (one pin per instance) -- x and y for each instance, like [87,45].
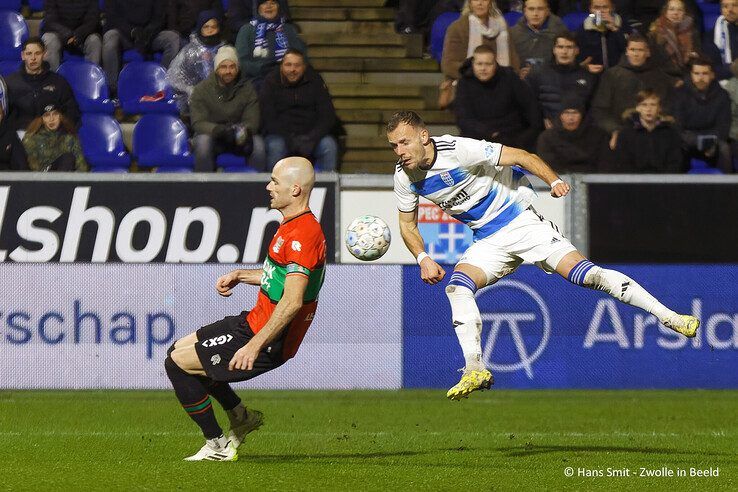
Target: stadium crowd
[592,86]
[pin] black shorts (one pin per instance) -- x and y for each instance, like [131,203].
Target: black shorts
[218,342]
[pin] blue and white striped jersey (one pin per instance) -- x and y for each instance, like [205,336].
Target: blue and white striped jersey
[468,184]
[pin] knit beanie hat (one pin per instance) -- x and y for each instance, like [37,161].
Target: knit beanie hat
[226,53]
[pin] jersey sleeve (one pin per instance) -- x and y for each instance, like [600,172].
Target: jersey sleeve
[304,251]
[407,200]
[474,152]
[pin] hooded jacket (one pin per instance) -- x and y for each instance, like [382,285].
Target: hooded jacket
[641,151]
[212,104]
[182,14]
[551,81]
[703,113]
[302,109]
[504,105]
[192,65]
[619,88]
[28,94]
[535,46]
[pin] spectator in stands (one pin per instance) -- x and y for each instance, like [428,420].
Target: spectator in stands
[194,63]
[620,84]
[732,89]
[135,24]
[675,37]
[72,25]
[298,114]
[481,23]
[574,145]
[601,39]
[640,14]
[412,15]
[224,111]
[702,109]
[534,34]
[262,43]
[51,143]
[241,12]
[560,76]
[563,7]
[183,15]
[12,154]
[34,79]
[649,141]
[721,44]
[492,103]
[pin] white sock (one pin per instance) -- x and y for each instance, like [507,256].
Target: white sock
[467,324]
[627,290]
[218,442]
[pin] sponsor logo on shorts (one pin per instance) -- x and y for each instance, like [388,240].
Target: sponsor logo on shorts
[212,342]
[215,359]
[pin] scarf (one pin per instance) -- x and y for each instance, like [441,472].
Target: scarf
[721,39]
[261,47]
[496,29]
[675,38]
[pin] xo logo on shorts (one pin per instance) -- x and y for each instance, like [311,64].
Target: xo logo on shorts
[212,342]
[519,332]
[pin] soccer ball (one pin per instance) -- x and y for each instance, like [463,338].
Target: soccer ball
[368,237]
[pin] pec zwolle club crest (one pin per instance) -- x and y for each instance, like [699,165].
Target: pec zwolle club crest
[447,178]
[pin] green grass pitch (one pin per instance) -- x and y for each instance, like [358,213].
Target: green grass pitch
[375,440]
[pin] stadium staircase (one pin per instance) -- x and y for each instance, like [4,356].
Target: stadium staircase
[371,72]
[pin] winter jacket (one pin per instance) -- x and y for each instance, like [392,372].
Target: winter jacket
[641,151]
[534,47]
[304,109]
[584,150]
[240,12]
[67,18]
[182,14]
[257,67]
[502,109]
[28,94]
[591,43]
[12,153]
[618,90]
[44,147]
[702,113]
[551,81]
[456,44]
[192,65]
[212,104]
[125,15]
[722,69]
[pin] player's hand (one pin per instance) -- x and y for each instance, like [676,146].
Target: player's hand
[245,357]
[560,189]
[226,283]
[431,272]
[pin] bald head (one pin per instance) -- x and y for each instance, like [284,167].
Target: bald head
[296,171]
[292,181]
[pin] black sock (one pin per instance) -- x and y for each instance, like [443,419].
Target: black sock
[194,399]
[222,392]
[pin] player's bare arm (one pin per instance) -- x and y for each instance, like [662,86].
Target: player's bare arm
[510,156]
[284,313]
[225,283]
[430,271]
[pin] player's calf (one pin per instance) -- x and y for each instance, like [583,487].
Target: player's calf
[466,318]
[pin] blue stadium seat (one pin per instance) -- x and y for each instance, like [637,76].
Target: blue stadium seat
[574,20]
[438,32]
[89,86]
[709,19]
[709,8]
[14,5]
[102,143]
[36,5]
[161,140]
[232,163]
[13,31]
[8,66]
[130,56]
[698,166]
[512,17]
[140,79]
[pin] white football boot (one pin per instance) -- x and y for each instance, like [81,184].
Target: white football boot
[218,449]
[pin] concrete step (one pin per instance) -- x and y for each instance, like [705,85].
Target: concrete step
[384,78]
[358,28]
[348,167]
[431,117]
[367,142]
[346,39]
[374,65]
[383,157]
[322,51]
[369,90]
[378,103]
[357,14]
[336,3]
[376,130]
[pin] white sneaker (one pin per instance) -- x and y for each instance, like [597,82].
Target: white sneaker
[218,449]
[239,429]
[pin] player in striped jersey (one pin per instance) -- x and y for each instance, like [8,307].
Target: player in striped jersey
[473,181]
[237,348]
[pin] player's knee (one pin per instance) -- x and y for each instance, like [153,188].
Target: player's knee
[170,366]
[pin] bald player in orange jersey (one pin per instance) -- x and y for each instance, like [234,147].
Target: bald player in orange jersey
[201,364]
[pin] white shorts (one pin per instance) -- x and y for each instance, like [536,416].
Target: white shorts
[529,237]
